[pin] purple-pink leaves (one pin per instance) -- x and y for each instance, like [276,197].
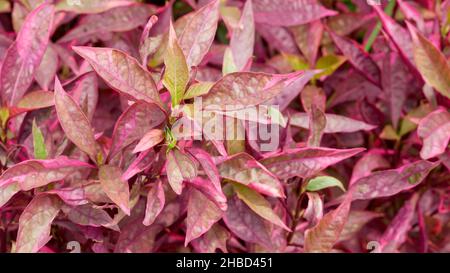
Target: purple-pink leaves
[179,167]
[244,169]
[155,203]
[243,38]
[36,173]
[305,162]
[201,215]
[323,236]
[431,63]
[136,121]
[289,13]
[134,82]
[116,188]
[244,89]
[35,222]
[362,61]
[199,32]
[434,129]
[390,182]
[334,123]
[25,54]
[284,126]
[115,20]
[75,124]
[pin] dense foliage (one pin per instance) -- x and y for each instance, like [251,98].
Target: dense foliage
[225,125]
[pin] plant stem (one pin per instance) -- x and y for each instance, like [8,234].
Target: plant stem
[388,10]
[296,216]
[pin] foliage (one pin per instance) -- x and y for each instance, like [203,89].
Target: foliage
[96,99]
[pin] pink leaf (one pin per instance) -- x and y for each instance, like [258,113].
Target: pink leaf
[35,222]
[390,182]
[199,33]
[115,187]
[346,23]
[72,196]
[146,45]
[278,38]
[75,123]
[243,38]
[396,81]
[314,210]
[244,169]
[87,215]
[259,205]
[208,165]
[155,203]
[325,234]
[434,129]
[246,224]
[362,61]
[180,167]
[289,13]
[312,95]
[91,6]
[133,124]
[25,54]
[355,221]
[431,62]
[118,19]
[243,89]
[366,164]
[215,238]
[149,140]
[137,238]
[395,234]
[308,38]
[134,82]
[201,215]
[36,173]
[210,191]
[334,124]
[85,92]
[398,35]
[318,120]
[37,100]
[291,91]
[7,191]
[45,73]
[142,162]
[305,162]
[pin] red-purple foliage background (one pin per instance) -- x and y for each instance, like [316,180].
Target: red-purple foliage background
[93,90]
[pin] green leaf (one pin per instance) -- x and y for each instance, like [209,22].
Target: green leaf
[410,121]
[322,182]
[198,89]
[176,76]
[5,6]
[4,116]
[329,64]
[276,116]
[389,133]
[297,63]
[228,65]
[258,204]
[40,151]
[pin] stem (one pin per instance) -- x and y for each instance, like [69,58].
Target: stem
[297,216]
[388,10]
